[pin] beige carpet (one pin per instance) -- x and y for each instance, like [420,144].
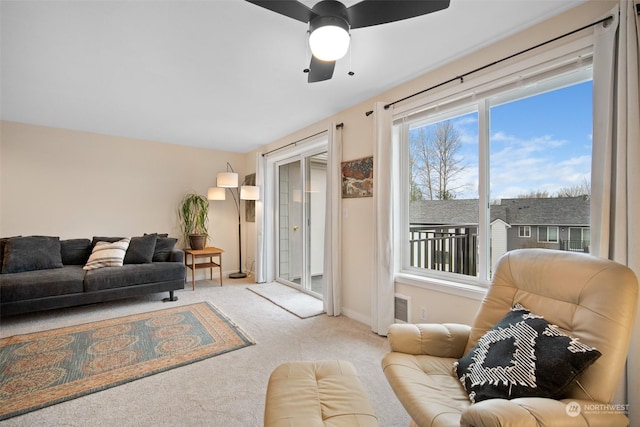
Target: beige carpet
[287,298]
[224,391]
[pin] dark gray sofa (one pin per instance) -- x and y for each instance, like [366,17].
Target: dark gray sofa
[43,273]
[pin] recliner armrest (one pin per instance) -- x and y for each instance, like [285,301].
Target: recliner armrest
[441,340]
[537,411]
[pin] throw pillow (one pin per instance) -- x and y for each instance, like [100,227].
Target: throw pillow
[31,253]
[163,249]
[97,239]
[141,250]
[158,234]
[523,356]
[105,254]
[75,251]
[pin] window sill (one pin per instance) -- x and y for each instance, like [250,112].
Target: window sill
[475,292]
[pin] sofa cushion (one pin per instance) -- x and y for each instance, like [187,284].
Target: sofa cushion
[163,249]
[523,356]
[39,284]
[31,253]
[107,254]
[75,251]
[132,274]
[140,250]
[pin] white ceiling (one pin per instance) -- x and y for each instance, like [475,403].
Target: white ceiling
[221,74]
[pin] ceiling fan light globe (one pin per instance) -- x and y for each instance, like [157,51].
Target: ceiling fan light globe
[329,42]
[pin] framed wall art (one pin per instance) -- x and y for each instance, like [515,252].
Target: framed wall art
[357,178]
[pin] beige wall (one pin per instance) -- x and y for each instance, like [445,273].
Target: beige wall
[77,184]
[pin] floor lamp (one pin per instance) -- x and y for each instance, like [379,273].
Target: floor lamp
[229,180]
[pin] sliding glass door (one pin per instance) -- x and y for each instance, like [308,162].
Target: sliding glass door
[301,191]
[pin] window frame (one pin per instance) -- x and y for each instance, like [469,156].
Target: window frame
[548,228]
[542,67]
[522,228]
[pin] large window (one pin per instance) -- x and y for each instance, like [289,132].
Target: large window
[547,234]
[443,170]
[503,171]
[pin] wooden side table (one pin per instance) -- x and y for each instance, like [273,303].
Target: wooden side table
[210,253]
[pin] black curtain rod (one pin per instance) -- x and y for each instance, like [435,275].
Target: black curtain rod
[338,126]
[462,76]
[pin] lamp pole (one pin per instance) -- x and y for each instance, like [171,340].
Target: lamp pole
[236,199]
[229,180]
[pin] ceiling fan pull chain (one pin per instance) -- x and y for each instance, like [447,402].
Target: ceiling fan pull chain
[306,53]
[351,73]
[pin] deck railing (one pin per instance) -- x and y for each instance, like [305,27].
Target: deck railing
[575,245]
[447,248]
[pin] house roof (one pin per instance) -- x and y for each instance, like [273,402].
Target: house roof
[565,211]
[547,211]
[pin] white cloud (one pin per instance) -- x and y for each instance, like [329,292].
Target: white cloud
[538,164]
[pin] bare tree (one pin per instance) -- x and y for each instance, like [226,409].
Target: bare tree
[421,159]
[577,190]
[434,160]
[415,193]
[582,189]
[534,194]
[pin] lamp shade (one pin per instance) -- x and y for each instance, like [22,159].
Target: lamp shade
[216,193]
[227,180]
[250,192]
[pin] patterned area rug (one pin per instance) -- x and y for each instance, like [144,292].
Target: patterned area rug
[45,368]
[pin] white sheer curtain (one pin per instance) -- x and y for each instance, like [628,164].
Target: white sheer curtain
[615,181]
[261,267]
[383,286]
[332,270]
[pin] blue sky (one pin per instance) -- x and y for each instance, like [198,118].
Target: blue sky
[540,143]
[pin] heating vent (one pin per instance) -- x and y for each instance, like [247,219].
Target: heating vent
[402,308]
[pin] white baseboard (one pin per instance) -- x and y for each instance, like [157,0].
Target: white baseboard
[356,316]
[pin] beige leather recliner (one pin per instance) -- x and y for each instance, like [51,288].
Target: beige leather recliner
[590,298]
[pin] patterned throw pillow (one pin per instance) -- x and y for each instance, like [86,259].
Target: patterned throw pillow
[106,254]
[523,356]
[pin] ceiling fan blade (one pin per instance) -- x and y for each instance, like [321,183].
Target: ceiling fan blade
[291,8]
[320,70]
[374,12]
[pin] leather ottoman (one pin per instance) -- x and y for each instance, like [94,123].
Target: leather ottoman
[315,394]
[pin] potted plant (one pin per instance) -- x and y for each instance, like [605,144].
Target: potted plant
[194,219]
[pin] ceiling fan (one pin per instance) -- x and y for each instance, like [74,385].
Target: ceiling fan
[330,21]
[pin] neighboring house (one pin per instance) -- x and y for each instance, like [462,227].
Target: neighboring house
[554,223]
[443,232]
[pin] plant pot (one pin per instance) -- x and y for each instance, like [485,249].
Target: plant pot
[197,241]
